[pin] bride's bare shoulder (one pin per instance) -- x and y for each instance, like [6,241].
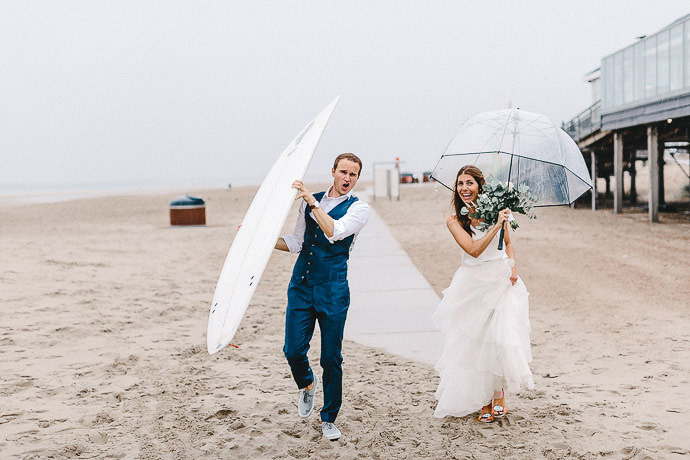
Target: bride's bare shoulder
[454,224]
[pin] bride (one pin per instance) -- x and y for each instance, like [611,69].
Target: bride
[484,316]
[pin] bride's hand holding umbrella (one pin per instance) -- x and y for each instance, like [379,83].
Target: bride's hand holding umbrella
[503,217]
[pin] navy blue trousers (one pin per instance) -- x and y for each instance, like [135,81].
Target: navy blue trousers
[326,303]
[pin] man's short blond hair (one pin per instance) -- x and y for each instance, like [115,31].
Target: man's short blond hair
[348,156]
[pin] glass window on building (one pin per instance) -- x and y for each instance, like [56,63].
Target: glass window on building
[687,53]
[650,67]
[628,75]
[608,82]
[618,78]
[662,63]
[638,51]
[676,56]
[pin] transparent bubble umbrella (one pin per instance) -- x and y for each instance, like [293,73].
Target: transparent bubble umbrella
[516,146]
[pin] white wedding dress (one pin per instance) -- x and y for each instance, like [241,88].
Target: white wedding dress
[485,325]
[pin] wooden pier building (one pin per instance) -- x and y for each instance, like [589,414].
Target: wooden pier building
[641,108]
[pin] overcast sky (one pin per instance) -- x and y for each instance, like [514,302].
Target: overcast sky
[210,92]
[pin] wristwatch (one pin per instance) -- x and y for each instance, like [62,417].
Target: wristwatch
[315,205]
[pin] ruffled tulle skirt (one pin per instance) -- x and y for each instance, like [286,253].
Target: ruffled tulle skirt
[485,325]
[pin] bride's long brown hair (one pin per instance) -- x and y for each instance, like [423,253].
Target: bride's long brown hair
[458,204]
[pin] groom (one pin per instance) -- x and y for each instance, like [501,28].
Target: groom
[318,291]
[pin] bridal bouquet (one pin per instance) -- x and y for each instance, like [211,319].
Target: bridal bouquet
[496,196]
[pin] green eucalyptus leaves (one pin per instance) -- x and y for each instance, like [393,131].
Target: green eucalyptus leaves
[496,196]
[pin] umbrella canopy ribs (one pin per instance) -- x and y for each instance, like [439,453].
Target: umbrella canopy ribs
[518,147]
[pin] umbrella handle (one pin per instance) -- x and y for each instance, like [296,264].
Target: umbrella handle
[500,239]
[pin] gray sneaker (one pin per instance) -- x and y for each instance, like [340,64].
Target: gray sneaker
[330,431]
[306,399]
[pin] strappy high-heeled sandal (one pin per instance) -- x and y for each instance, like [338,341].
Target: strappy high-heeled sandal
[486,417]
[499,410]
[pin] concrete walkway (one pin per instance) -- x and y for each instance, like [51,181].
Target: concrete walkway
[391,302]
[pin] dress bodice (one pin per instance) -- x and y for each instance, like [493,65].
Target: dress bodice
[490,253]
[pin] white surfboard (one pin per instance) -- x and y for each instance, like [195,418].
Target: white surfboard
[256,238]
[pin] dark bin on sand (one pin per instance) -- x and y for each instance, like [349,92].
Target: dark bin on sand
[187,210]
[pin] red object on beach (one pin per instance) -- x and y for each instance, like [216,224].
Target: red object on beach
[187,210]
[233,345]
[408,178]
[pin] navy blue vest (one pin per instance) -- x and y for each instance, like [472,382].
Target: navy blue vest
[320,261]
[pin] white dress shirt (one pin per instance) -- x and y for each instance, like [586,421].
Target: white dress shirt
[352,222]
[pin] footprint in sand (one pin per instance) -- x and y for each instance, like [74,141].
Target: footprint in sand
[102,418]
[293,433]
[629,452]
[221,414]
[98,438]
[238,425]
[560,446]
[6,418]
[649,426]
[72,450]
[299,453]
[676,450]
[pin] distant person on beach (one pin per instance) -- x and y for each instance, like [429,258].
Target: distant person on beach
[324,233]
[484,315]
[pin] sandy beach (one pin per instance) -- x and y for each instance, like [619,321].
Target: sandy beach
[104,310]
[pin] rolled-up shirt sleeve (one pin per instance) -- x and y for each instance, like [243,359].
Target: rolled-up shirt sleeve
[295,240]
[352,222]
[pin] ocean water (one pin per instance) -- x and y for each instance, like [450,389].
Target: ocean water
[54,193]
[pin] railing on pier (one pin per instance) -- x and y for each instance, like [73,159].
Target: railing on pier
[585,123]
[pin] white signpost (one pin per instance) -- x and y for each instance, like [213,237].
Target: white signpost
[387,180]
